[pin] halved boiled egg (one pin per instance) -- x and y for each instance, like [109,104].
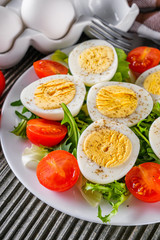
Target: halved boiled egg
[107,151]
[93,61]
[154,136]
[45,96]
[150,80]
[125,103]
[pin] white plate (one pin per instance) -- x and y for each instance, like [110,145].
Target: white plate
[132,212]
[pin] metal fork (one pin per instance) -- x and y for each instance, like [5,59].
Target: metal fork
[101,29]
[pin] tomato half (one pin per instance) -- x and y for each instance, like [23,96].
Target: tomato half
[58,171]
[44,68]
[143,58]
[143,182]
[45,132]
[2,83]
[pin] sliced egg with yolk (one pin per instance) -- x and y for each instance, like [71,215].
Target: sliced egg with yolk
[107,151]
[124,103]
[93,61]
[150,80]
[45,96]
[154,137]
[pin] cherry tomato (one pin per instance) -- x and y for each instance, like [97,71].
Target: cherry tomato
[143,58]
[143,182]
[44,68]
[58,171]
[2,83]
[45,132]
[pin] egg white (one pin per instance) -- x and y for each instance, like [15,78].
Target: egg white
[140,81]
[27,98]
[91,79]
[144,107]
[106,175]
[154,137]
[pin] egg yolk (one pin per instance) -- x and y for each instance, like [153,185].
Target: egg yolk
[107,147]
[152,83]
[51,94]
[116,101]
[96,59]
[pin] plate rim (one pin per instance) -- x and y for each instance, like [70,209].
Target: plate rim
[26,185]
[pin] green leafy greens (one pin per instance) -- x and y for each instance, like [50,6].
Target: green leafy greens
[60,56]
[146,153]
[115,193]
[20,130]
[73,132]
[122,73]
[70,144]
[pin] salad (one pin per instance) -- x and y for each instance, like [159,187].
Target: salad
[104,136]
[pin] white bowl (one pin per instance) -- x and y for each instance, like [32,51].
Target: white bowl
[116,12]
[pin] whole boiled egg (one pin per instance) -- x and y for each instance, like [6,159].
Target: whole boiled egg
[93,61]
[10,27]
[45,96]
[150,80]
[154,136]
[53,18]
[121,102]
[107,151]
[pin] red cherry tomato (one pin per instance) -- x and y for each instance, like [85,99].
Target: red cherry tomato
[2,83]
[58,171]
[44,68]
[143,182]
[45,132]
[143,58]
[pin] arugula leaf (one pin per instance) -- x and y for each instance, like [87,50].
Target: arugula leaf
[59,56]
[16,103]
[156,110]
[63,146]
[70,144]
[115,193]
[146,153]
[83,119]
[73,132]
[20,129]
[20,115]
[122,73]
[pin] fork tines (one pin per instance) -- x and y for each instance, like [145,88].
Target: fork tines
[118,31]
[101,31]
